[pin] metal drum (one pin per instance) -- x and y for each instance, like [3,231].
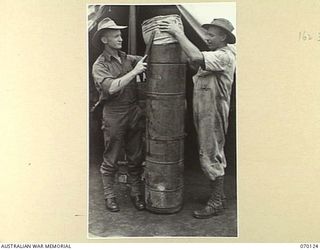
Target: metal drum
[150,25]
[165,110]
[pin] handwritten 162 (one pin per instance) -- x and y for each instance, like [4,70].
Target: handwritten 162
[306,36]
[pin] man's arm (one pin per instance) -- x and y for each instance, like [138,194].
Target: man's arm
[188,47]
[120,83]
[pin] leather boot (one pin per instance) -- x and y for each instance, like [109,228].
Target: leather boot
[109,194]
[112,205]
[205,213]
[136,193]
[223,196]
[138,202]
[108,185]
[214,205]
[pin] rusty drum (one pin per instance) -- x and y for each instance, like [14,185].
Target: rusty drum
[165,110]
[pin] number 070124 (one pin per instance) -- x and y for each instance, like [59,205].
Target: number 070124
[309,246]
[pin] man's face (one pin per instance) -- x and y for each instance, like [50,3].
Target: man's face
[112,38]
[215,38]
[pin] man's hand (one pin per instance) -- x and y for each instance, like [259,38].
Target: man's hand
[141,66]
[172,28]
[123,81]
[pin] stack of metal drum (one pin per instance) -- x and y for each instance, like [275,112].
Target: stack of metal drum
[165,111]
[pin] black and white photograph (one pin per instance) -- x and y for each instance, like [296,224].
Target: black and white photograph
[158,123]
[162,120]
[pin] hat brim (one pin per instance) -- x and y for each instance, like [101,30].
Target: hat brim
[231,39]
[96,37]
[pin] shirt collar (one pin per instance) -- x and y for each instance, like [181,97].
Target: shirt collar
[107,54]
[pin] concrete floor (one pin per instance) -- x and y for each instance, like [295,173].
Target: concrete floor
[132,223]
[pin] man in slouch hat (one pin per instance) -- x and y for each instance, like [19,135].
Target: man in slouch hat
[114,73]
[211,101]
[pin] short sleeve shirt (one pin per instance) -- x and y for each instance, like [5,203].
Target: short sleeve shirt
[107,69]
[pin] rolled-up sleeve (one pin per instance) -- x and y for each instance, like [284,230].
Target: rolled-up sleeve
[215,60]
[102,79]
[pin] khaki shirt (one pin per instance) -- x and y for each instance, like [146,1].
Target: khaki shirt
[218,73]
[107,69]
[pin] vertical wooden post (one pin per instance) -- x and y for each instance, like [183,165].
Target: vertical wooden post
[132,34]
